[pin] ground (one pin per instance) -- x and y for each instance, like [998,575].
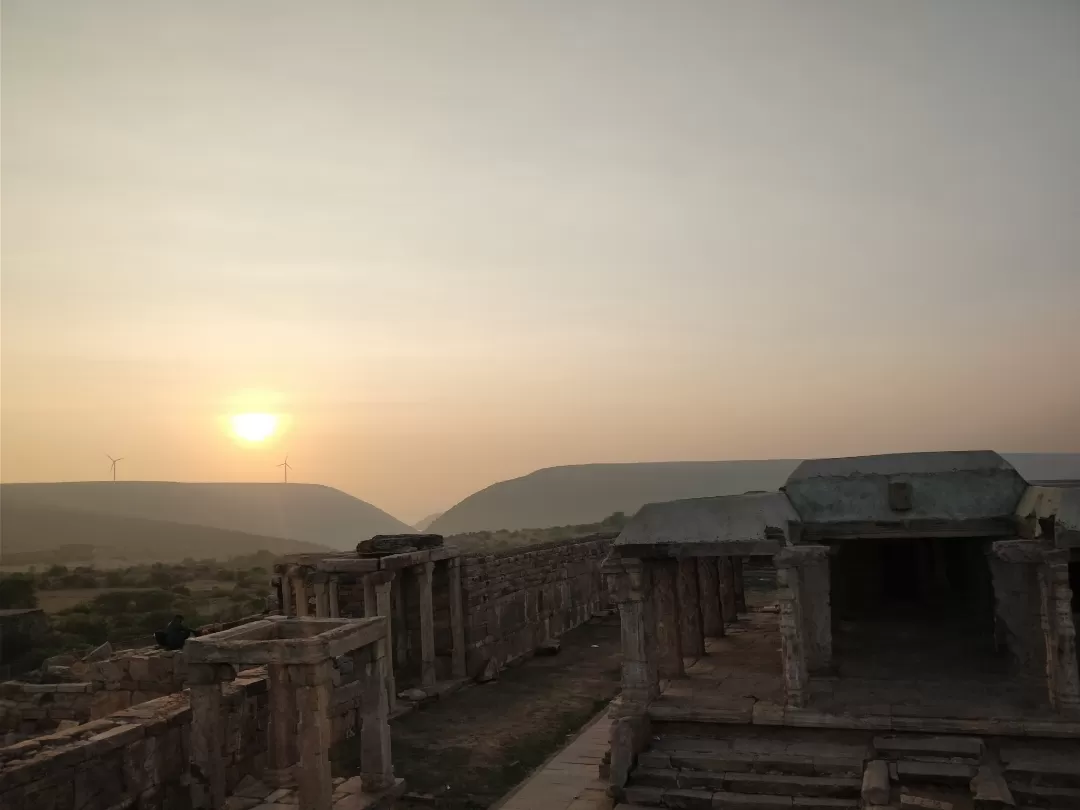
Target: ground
[477,744]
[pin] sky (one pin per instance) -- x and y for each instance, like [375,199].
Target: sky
[452,243]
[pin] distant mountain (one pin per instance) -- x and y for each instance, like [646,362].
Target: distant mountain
[425,523]
[308,512]
[38,534]
[586,493]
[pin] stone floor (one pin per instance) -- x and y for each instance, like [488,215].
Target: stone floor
[740,675]
[252,794]
[570,779]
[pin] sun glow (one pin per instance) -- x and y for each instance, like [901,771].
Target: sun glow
[254,427]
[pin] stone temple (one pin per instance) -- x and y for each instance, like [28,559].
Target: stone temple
[921,648]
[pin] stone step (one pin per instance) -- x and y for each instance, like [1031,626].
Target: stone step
[726,760]
[756,783]
[895,747]
[726,800]
[1058,798]
[1046,770]
[934,773]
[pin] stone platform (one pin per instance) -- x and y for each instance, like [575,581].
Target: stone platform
[739,681]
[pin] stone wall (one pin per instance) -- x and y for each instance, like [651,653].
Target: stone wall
[517,600]
[32,708]
[134,758]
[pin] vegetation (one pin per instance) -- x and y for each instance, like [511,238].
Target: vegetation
[89,606]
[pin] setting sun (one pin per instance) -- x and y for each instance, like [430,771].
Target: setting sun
[254,427]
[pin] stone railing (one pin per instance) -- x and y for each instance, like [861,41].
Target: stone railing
[137,757]
[517,600]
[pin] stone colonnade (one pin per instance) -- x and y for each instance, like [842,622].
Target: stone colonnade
[384,580]
[1034,620]
[300,667]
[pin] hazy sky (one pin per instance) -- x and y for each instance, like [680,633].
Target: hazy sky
[460,241]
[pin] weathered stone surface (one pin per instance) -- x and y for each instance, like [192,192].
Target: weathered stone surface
[875,783]
[386,544]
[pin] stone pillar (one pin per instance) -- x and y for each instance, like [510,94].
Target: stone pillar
[401,619]
[382,584]
[425,573]
[792,645]
[816,608]
[300,591]
[314,734]
[286,596]
[726,582]
[282,755]
[370,607]
[1018,611]
[457,617]
[692,637]
[322,596]
[740,589]
[1063,679]
[629,582]
[665,575]
[207,735]
[335,604]
[712,617]
[377,769]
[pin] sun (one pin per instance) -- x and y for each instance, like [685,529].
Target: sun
[254,427]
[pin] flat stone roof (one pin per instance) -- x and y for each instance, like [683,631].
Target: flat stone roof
[755,523]
[945,488]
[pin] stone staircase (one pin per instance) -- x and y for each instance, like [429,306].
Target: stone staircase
[1043,776]
[740,771]
[709,766]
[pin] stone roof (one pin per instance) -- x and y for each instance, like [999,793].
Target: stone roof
[943,487]
[753,519]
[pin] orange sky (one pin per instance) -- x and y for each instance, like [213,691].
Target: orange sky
[460,245]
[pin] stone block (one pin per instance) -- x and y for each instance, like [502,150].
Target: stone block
[875,783]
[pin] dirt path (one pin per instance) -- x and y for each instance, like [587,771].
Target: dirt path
[471,748]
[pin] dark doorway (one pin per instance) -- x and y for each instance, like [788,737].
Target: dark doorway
[913,608]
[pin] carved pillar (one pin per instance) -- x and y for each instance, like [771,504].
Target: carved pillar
[665,604]
[457,617]
[382,584]
[319,585]
[712,616]
[726,583]
[401,619]
[314,734]
[792,646]
[300,592]
[692,637]
[740,589]
[629,582]
[377,769]
[335,604]
[1018,611]
[207,734]
[1063,680]
[285,596]
[816,607]
[425,573]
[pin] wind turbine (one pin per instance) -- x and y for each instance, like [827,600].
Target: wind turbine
[286,465]
[113,460]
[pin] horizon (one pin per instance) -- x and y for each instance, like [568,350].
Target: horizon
[411,520]
[418,254]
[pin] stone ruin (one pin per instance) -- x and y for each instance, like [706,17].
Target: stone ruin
[919,594]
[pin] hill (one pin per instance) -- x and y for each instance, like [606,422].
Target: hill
[588,493]
[35,534]
[308,512]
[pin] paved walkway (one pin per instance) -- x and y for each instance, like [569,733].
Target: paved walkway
[570,779]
